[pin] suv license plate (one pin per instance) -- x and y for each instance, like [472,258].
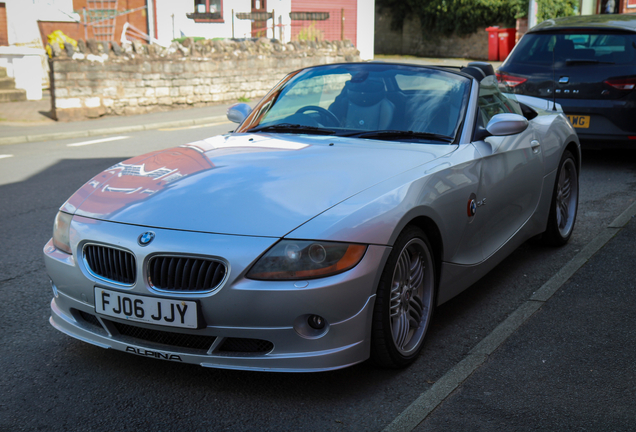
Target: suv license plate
[579,121]
[150,310]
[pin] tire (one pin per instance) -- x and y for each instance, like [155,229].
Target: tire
[564,206]
[404,302]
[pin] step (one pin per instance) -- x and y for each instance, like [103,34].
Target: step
[7,83]
[3,72]
[15,95]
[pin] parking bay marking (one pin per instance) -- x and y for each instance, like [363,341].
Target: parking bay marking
[417,412]
[97,141]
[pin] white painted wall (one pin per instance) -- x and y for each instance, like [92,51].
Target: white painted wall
[365,28]
[24,65]
[183,25]
[281,8]
[23,16]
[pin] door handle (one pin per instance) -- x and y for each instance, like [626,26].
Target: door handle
[536,146]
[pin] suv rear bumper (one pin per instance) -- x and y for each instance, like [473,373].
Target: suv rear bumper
[609,120]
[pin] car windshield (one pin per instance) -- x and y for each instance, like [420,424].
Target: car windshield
[371,100]
[579,47]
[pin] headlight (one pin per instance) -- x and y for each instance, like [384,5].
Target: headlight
[61,228]
[302,259]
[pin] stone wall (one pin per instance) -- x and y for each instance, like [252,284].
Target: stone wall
[410,41]
[103,79]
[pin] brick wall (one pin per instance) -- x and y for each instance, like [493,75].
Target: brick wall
[150,79]
[77,30]
[4,33]
[138,19]
[70,29]
[330,28]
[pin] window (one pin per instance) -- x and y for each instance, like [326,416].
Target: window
[207,11]
[593,47]
[492,101]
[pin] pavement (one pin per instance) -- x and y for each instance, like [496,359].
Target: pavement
[563,361]
[516,378]
[30,121]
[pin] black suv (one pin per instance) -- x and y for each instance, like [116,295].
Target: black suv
[588,65]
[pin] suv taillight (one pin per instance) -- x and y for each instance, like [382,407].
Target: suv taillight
[622,84]
[510,80]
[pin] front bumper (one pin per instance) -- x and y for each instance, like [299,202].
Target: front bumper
[251,325]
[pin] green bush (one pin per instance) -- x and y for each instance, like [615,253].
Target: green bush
[181,39]
[463,17]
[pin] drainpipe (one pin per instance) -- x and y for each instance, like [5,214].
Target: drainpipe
[150,7]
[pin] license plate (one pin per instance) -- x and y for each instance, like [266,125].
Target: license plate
[579,121]
[151,310]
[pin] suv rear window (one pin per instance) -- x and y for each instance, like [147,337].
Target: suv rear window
[617,48]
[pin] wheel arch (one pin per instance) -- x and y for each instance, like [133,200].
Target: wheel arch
[434,236]
[575,149]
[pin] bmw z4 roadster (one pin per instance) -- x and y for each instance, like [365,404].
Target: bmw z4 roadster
[323,231]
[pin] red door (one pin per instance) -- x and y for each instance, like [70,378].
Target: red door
[259,28]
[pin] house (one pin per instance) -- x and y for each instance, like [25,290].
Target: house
[285,20]
[593,7]
[26,24]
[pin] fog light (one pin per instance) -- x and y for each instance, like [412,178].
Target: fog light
[316,322]
[311,326]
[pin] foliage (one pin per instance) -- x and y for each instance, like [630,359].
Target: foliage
[554,9]
[310,33]
[464,17]
[547,8]
[181,39]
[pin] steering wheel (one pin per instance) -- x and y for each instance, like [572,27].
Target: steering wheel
[327,117]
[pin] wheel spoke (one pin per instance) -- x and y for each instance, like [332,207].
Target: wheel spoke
[563,210]
[417,272]
[416,307]
[566,189]
[400,330]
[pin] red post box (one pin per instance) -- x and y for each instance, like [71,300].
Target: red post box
[506,42]
[493,43]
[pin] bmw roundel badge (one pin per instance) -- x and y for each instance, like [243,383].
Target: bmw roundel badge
[146,238]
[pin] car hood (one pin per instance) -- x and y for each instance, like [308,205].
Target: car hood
[244,184]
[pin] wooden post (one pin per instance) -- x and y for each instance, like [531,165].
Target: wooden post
[273,24]
[342,19]
[85,29]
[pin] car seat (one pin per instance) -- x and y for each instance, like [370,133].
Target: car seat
[364,105]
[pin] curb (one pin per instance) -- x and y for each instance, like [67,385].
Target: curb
[109,131]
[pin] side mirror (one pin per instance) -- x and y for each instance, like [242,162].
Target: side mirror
[238,112]
[507,124]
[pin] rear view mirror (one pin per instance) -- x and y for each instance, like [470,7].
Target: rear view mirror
[238,112]
[506,124]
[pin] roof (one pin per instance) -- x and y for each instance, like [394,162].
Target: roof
[625,22]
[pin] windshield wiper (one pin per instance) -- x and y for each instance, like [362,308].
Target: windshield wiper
[393,134]
[590,61]
[292,128]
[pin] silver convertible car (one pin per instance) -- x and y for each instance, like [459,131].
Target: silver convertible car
[323,231]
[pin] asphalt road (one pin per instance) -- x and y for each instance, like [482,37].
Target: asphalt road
[52,382]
